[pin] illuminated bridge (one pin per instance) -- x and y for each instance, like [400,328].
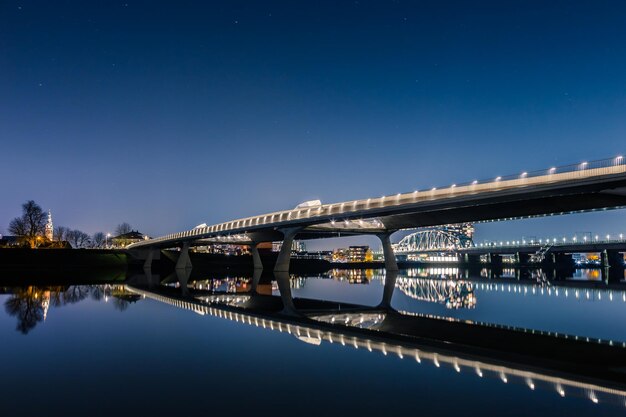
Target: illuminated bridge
[559,190]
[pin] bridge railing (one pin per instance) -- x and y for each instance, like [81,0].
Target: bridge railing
[553,242]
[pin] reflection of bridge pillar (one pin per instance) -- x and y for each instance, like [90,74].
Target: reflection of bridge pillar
[390,285]
[256,277]
[182,275]
[183,261]
[282,279]
[284,256]
[256,258]
[390,257]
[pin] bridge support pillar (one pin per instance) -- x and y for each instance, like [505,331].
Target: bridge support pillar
[390,257]
[522,258]
[183,261]
[152,253]
[256,258]
[495,259]
[284,256]
[612,259]
[564,259]
[471,259]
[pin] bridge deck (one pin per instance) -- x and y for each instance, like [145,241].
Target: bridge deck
[551,192]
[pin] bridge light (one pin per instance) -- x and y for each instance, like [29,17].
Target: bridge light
[498,178]
[584,165]
[621,236]
[619,159]
[597,237]
[608,237]
[524,175]
[552,170]
[474,182]
[433,189]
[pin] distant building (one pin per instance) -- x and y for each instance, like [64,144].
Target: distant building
[339,255]
[126,239]
[223,249]
[326,255]
[297,246]
[359,254]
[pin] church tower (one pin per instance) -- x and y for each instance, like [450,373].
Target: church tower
[49,227]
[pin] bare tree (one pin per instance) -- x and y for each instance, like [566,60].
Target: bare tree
[98,240]
[77,238]
[31,224]
[123,228]
[60,233]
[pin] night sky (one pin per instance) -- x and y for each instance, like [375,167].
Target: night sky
[171,114]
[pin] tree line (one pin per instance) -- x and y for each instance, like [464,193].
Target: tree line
[30,229]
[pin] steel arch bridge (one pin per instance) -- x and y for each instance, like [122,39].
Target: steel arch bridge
[444,238]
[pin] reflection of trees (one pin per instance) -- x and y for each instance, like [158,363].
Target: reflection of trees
[122,298]
[30,304]
[75,293]
[97,292]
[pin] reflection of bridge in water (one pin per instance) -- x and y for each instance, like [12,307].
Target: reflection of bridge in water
[536,283]
[455,289]
[453,293]
[562,363]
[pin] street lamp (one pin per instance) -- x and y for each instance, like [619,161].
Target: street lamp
[106,240]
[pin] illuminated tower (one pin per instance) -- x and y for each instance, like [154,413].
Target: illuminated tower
[49,227]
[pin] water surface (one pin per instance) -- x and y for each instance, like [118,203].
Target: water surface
[104,349]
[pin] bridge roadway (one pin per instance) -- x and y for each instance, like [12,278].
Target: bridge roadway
[569,365]
[574,188]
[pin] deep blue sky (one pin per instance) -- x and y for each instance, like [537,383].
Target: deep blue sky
[170,114]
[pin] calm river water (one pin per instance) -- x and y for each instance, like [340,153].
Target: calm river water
[131,348]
